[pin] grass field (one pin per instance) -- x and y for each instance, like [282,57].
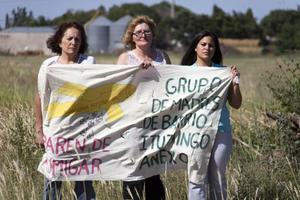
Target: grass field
[259,168]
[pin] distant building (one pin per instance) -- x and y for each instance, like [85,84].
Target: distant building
[25,40]
[104,36]
[116,31]
[98,35]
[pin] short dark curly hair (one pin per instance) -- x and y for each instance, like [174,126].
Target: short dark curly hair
[54,41]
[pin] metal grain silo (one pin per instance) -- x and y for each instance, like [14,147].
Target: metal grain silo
[98,35]
[116,33]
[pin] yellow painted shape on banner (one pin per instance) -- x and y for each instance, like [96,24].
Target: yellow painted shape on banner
[105,97]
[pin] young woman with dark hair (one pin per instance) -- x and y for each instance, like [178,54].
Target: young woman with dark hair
[205,50]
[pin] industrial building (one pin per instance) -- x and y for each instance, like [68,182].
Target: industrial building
[25,40]
[104,36]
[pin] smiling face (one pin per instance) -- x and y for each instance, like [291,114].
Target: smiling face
[142,36]
[70,42]
[205,50]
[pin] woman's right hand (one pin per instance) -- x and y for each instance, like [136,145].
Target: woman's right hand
[146,64]
[39,139]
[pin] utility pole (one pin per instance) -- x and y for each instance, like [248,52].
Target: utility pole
[172,12]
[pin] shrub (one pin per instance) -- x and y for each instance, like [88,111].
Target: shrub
[284,84]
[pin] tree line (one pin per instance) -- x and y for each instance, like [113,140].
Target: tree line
[281,28]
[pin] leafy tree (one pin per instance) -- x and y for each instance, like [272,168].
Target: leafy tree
[134,9]
[20,17]
[179,29]
[187,25]
[159,13]
[284,27]
[272,23]
[170,31]
[163,33]
[71,15]
[42,21]
[101,10]
[246,26]
[7,21]
[218,20]
[289,37]
[237,25]
[163,9]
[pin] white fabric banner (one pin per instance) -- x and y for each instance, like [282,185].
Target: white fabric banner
[119,122]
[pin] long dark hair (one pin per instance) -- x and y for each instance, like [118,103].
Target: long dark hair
[54,41]
[190,55]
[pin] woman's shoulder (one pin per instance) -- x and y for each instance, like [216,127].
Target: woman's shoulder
[50,61]
[45,64]
[217,65]
[125,53]
[123,58]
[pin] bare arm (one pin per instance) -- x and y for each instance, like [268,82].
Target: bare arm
[39,135]
[123,59]
[235,96]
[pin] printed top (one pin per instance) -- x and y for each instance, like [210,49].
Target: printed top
[224,123]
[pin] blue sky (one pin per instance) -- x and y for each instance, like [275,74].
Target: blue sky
[54,8]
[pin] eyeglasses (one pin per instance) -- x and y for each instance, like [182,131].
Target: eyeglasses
[139,34]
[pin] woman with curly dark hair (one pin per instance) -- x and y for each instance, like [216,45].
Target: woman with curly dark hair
[69,42]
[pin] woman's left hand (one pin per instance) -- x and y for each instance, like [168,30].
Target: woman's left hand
[235,72]
[235,75]
[234,95]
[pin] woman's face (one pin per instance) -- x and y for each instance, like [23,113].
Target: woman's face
[205,49]
[70,42]
[142,35]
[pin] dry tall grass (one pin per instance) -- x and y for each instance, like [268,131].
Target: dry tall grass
[242,45]
[258,168]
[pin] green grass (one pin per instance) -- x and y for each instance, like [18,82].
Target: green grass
[259,168]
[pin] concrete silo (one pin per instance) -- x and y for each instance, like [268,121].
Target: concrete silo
[116,33]
[98,35]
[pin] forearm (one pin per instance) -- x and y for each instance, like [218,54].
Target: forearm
[38,115]
[39,133]
[235,96]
